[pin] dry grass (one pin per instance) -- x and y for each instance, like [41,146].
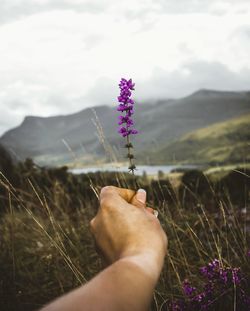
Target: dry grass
[46,248]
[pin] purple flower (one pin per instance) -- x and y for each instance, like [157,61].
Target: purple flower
[126,105]
[199,298]
[134,131]
[223,275]
[123,131]
[219,284]
[188,289]
[236,275]
[125,121]
[211,269]
[204,271]
[177,305]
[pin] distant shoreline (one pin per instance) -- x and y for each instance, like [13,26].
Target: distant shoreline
[141,169]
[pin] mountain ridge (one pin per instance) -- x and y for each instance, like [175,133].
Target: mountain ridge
[164,121]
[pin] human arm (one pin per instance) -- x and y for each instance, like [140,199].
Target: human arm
[133,242]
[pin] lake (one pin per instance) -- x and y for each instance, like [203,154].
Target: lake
[149,169]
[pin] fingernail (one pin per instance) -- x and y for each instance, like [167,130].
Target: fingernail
[141,196]
[156,213]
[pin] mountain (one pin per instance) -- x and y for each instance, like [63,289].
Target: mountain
[224,142]
[62,139]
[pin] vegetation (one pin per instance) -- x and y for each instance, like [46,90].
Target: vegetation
[225,142]
[46,248]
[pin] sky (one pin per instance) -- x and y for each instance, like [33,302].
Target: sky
[61,56]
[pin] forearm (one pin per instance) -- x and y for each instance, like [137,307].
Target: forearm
[130,237]
[125,285]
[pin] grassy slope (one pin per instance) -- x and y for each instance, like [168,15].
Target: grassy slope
[59,140]
[225,142]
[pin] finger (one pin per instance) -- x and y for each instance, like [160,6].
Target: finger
[152,211]
[126,194]
[139,199]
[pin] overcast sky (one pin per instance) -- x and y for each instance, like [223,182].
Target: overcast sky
[60,56]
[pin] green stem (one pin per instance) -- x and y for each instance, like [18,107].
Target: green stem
[131,162]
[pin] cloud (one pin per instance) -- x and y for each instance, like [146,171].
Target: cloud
[103,92]
[242,34]
[185,6]
[161,84]
[218,7]
[188,78]
[191,77]
[58,57]
[92,41]
[11,10]
[10,118]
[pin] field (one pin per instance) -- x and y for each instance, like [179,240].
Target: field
[46,248]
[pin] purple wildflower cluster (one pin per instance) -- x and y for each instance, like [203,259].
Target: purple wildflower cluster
[126,105]
[125,121]
[222,286]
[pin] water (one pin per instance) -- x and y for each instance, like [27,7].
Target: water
[140,169]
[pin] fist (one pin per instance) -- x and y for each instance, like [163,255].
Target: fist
[124,226]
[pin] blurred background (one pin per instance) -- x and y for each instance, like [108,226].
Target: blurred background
[189,60]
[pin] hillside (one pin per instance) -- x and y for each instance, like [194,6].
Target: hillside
[225,142]
[7,163]
[68,138]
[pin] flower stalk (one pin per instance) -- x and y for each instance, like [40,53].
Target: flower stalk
[130,156]
[125,121]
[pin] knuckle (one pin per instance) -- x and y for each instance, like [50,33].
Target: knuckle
[92,225]
[107,189]
[108,198]
[105,202]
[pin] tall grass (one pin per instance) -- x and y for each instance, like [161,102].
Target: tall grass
[46,248]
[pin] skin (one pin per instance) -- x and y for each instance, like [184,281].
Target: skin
[133,243]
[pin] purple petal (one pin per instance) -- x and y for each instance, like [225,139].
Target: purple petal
[134,132]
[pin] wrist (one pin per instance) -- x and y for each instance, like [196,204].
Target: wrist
[149,262]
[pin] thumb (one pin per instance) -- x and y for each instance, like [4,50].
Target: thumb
[139,199]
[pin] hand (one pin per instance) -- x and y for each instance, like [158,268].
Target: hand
[130,237]
[124,228]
